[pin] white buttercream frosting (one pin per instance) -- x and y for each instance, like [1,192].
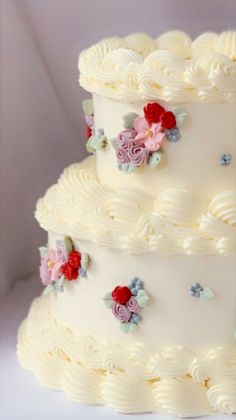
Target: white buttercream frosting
[221,395]
[219,364]
[171,67]
[174,222]
[170,380]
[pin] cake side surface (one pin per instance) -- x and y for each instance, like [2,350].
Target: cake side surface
[164,320]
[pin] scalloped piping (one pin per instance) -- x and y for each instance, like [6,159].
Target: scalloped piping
[171,67]
[174,222]
[173,380]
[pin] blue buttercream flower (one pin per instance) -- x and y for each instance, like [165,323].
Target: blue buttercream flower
[135,285]
[173,134]
[134,291]
[101,131]
[225,159]
[195,290]
[136,318]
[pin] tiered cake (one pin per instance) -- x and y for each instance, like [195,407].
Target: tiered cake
[139,307]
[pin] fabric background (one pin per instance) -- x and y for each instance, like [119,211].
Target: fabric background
[42,127]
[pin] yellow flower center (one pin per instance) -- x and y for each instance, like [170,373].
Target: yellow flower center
[50,264]
[148,133]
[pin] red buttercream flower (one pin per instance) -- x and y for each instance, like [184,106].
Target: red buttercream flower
[88,131]
[153,112]
[75,259]
[168,120]
[70,273]
[121,294]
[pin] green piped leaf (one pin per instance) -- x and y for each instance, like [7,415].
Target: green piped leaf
[108,300]
[128,168]
[50,288]
[88,106]
[68,244]
[113,142]
[129,119]
[89,146]
[127,327]
[207,294]
[155,159]
[180,116]
[96,142]
[84,261]
[42,250]
[59,284]
[142,298]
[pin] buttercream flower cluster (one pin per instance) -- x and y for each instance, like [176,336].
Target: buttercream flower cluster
[61,264]
[141,140]
[96,140]
[198,291]
[89,117]
[127,302]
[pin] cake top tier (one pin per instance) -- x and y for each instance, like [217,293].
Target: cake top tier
[172,67]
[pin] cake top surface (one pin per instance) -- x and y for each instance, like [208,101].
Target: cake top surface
[172,67]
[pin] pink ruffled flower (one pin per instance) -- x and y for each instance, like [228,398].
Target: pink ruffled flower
[89,120]
[137,154]
[125,137]
[149,135]
[122,155]
[133,306]
[121,312]
[50,268]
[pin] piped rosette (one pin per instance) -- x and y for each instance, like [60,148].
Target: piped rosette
[126,303]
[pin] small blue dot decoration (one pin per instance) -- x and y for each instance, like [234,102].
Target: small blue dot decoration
[101,131]
[225,159]
[195,290]
[136,318]
[173,134]
[135,285]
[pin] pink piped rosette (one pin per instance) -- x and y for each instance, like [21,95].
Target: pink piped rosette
[126,303]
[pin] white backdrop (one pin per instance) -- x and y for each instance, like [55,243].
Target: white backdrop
[42,128]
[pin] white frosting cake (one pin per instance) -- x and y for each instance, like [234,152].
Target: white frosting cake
[140,268]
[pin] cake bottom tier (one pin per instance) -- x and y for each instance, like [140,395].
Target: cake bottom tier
[130,379]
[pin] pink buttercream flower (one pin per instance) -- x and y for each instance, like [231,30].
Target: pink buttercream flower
[132,305]
[121,312]
[89,120]
[125,137]
[122,155]
[50,267]
[137,154]
[149,135]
